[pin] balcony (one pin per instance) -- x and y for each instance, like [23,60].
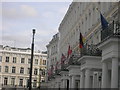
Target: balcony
[73,60]
[90,50]
[111,30]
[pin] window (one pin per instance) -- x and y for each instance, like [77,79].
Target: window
[44,62]
[13,81]
[36,61]
[27,83]
[22,70]
[5,81]
[0,58]
[21,82]
[14,59]
[22,60]
[13,69]
[35,71]
[0,68]
[35,83]
[28,71]
[6,69]
[29,60]
[43,72]
[7,59]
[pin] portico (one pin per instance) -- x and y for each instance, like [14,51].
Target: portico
[74,75]
[89,65]
[64,78]
[110,50]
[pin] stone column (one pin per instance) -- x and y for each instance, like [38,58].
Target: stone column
[70,81]
[87,78]
[94,81]
[82,78]
[104,75]
[114,77]
[73,81]
[64,83]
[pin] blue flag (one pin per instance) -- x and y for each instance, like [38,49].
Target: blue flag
[104,22]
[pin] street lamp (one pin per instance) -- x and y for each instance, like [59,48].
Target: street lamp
[31,63]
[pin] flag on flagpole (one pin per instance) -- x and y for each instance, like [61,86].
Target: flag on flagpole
[81,44]
[69,51]
[104,22]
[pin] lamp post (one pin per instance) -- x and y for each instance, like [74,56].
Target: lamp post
[31,63]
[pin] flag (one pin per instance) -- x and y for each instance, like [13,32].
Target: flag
[104,22]
[69,51]
[81,44]
[63,58]
[49,72]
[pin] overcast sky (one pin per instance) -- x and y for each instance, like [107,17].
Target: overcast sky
[19,18]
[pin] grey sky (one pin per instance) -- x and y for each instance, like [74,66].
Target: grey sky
[19,18]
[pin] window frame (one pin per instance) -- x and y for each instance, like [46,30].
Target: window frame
[22,70]
[7,59]
[6,69]
[14,60]
[22,60]
[13,69]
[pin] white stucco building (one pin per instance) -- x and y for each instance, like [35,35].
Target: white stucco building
[52,58]
[97,65]
[15,66]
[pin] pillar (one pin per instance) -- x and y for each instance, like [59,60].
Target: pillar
[73,81]
[70,81]
[114,77]
[82,78]
[87,78]
[104,75]
[64,83]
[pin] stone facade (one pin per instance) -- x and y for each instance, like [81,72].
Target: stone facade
[97,64]
[15,66]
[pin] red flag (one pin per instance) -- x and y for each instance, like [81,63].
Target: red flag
[69,51]
[81,44]
[49,72]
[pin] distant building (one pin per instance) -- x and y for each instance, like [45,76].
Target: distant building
[52,52]
[15,67]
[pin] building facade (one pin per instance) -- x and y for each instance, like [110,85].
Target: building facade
[15,67]
[97,64]
[52,58]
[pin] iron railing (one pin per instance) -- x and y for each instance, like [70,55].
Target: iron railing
[112,29]
[90,50]
[72,60]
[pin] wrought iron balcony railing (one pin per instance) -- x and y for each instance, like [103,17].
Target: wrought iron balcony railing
[112,29]
[90,50]
[73,60]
